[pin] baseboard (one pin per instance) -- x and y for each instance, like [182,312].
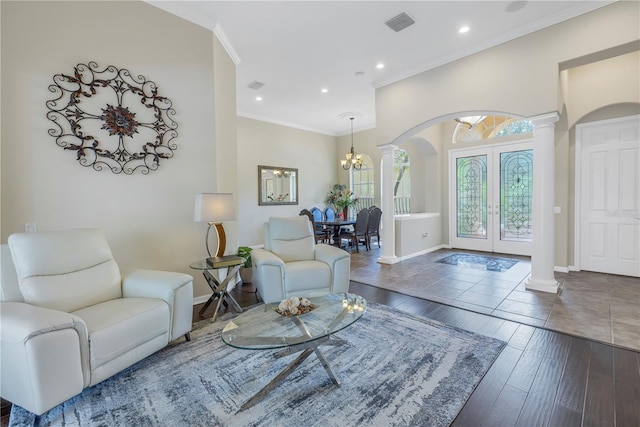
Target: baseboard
[204,298]
[561,269]
[425,251]
[201,299]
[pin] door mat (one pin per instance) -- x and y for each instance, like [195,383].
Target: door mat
[479,262]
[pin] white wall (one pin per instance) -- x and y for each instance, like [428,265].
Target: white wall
[417,234]
[148,219]
[261,143]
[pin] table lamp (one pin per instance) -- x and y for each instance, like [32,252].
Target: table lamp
[213,208]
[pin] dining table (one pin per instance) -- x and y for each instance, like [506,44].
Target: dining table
[336,225]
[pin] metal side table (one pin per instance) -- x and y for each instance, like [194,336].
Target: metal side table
[219,288]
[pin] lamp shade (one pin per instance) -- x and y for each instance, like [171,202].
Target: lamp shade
[214,207]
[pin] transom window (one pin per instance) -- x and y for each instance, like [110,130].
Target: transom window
[476,128]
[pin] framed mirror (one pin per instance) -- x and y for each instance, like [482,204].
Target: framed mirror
[277,186]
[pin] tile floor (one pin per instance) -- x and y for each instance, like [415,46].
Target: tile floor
[598,306]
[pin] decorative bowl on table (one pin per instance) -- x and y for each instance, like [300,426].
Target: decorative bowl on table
[294,306]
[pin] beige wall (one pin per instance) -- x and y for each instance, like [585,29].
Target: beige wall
[522,78]
[148,219]
[583,96]
[518,77]
[261,143]
[226,159]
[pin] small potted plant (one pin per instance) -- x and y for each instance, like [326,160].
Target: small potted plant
[246,272]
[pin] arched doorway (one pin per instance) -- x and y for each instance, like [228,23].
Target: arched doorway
[491,185]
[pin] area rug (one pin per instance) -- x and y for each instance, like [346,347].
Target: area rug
[396,370]
[479,262]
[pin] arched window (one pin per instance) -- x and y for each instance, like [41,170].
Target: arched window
[476,128]
[402,183]
[363,184]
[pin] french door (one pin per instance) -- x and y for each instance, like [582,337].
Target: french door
[490,193]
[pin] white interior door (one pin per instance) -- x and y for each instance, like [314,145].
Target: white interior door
[491,198]
[608,177]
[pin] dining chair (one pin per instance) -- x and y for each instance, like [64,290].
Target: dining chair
[318,215]
[373,226]
[329,214]
[359,232]
[321,235]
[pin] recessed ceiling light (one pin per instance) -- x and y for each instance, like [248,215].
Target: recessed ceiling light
[325,90]
[464,29]
[380,66]
[258,98]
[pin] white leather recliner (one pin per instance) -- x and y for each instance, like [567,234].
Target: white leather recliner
[292,264]
[70,320]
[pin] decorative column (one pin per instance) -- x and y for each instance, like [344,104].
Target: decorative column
[388,220]
[543,256]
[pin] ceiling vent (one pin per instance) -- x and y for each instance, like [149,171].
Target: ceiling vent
[255,85]
[400,22]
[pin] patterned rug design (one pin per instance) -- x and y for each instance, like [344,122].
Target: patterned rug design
[396,370]
[479,262]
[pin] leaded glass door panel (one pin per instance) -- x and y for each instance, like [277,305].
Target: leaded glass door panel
[471,200]
[515,195]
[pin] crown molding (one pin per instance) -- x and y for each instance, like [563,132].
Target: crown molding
[281,123]
[224,40]
[305,128]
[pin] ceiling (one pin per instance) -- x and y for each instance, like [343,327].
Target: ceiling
[297,48]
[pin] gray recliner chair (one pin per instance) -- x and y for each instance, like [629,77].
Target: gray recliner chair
[292,264]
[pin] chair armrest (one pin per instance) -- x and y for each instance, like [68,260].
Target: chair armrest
[268,275]
[340,263]
[330,254]
[176,289]
[44,356]
[260,257]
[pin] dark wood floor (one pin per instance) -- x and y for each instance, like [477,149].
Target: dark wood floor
[542,378]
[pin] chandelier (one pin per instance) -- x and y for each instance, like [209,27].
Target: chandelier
[352,159]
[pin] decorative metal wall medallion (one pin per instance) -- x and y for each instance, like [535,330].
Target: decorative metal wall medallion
[112,119]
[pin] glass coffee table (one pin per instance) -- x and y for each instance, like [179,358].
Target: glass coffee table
[262,328]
